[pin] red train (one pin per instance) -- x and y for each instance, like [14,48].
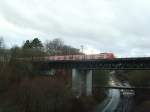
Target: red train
[83,57]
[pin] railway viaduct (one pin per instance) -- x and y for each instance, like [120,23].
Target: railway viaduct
[82,69]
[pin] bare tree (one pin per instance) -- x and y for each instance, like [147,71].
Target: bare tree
[54,46]
[1,43]
[57,47]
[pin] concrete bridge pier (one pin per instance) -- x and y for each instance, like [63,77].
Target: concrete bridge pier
[82,82]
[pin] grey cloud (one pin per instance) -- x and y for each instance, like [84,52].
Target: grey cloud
[121,26]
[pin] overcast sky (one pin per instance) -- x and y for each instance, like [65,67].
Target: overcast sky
[118,26]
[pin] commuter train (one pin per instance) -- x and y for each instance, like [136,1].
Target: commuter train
[82,57]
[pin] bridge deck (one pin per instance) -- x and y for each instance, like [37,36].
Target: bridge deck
[126,88]
[140,63]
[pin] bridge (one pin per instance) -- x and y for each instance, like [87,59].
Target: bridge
[82,69]
[124,88]
[142,63]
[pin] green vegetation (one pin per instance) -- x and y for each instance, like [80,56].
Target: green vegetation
[138,78]
[23,90]
[100,77]
[135,77]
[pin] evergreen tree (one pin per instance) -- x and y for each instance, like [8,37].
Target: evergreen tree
[36,43]
[27,44]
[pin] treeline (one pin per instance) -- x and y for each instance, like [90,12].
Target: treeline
[36,47]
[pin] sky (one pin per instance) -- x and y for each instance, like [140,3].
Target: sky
[118,26]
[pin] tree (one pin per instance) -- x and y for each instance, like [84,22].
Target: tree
[57,47]
[100,77]
[27,44]
[1,43]
[36,43]
[68,50]
[15,52]
[32,48]
[53,47]
[139,77]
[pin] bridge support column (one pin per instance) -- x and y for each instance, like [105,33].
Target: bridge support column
[82,82]
[89,83]
[76,82]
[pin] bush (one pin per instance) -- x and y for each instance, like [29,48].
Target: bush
[42,95]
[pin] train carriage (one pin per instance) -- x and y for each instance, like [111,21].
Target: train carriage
[83,57]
